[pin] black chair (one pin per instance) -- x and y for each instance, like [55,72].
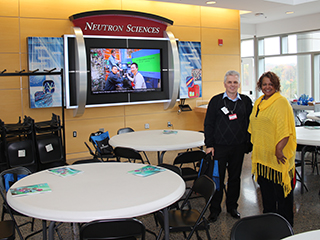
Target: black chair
[49,143]
[128,153]
[18,171]
[189,157]
[128,130]
[18,144]
[106,153]
[113,229]
[268,226]
[190,220]
[94,160]
[124,130]
[173,168]
[7,231]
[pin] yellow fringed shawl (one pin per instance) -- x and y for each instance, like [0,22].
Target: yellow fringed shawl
[274,122]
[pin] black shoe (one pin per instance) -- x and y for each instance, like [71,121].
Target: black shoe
[234,213]
[213,217]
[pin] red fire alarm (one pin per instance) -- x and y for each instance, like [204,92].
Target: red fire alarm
[220,42]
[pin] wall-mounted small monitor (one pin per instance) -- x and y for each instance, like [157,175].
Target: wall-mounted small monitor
[120,70]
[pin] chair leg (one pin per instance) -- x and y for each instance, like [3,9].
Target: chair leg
[301,181]
[147,158]
[159,235]
[32,225]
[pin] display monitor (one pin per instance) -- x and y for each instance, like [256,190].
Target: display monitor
[120,70]
[125,70]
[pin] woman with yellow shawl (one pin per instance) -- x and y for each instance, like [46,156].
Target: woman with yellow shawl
[273,137]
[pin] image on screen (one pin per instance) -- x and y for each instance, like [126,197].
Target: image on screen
[125,70]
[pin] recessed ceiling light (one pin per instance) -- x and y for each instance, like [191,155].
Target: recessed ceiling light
[211,2]
[289,12]
[259,14]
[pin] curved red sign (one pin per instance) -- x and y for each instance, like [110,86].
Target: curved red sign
[121,23]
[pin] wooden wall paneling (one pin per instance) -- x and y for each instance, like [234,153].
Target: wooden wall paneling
[9,9]
[9,40]
[231,41]
[215,66]
[140,109]
[183,33]
[10,105]
[181,14]
[84,128]
[220,18]
[212,88]
[61,9]
[9,61]
[98,112]
[42,28]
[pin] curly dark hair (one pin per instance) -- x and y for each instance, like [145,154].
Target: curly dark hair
[273,78]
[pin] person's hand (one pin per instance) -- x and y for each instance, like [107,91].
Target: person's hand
[280,157]
[210,150]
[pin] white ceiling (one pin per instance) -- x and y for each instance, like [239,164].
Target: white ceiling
[271,9]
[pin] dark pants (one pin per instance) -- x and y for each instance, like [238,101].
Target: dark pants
[273,199]
[230,158]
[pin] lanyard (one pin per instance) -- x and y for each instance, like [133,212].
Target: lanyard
[234,108]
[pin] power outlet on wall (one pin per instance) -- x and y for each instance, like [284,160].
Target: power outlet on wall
[146,126]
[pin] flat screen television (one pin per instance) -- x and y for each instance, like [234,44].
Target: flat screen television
[120,70]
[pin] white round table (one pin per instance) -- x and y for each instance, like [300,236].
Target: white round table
[314,116]
[310,235]
[308,136]
[156,140]
[101,191]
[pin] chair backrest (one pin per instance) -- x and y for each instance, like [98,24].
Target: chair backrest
[189,157]
[100,141]
[268,226]
[94,160]
[124,130]
[173,168]
[113,229]
[14,171]
[205,187]
[311,123]
[128,153]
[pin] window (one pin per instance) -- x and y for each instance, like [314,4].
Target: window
[295,58]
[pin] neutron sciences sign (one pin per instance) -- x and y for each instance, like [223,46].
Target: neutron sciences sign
[120,23]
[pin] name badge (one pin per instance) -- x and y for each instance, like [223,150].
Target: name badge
[233,117]
[225,110]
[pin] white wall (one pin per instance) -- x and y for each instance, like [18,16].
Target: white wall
[292,25]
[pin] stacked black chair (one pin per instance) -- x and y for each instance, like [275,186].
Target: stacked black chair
[49,143]
[3,161]
[18,144]
[268,226]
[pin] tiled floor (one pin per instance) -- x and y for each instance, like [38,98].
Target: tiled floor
[307,208]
